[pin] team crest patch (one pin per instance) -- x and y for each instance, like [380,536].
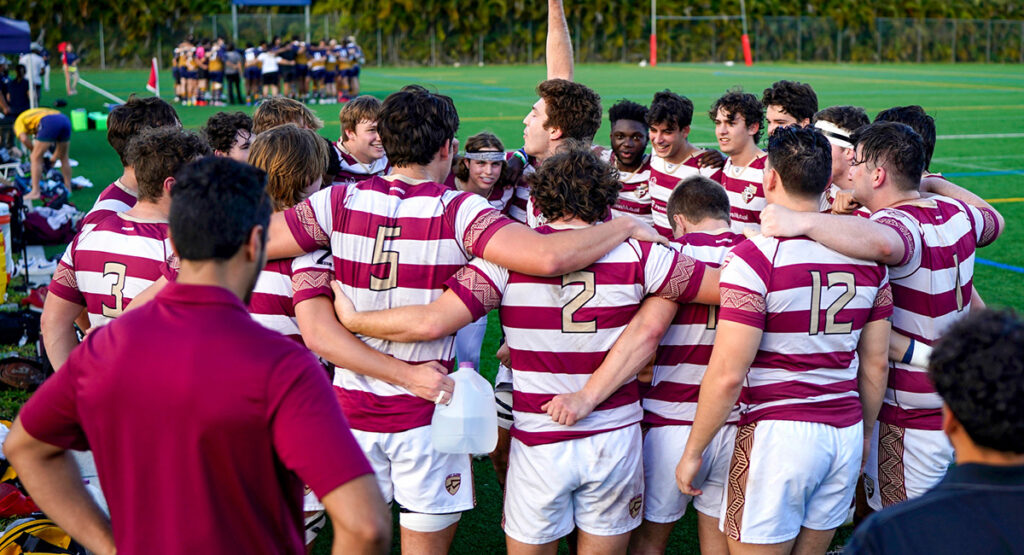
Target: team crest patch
[635,504]
[452,483]
[869,486]
[749,192]
[641,189]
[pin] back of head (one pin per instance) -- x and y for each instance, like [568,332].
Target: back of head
[128,119]
[698,198]
[222,127]
[575,183]
[670,108]
[158,153]
[572,107]
[414,123]
[844,120]
[736,103]
[978,369]
[796,99]
[293,158]
[897,148]
[216,202]
[278,110]
[628,110]
[803,159]
[919,121]
[360,109]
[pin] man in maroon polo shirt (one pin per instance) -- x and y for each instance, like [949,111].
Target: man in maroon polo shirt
[205,425]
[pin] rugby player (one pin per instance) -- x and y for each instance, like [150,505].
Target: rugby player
[838,123]
[738,117]
[789,103]
[628,155]
[229,134]
[359,149]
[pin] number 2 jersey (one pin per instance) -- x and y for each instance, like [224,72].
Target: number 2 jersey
[109,263]
[559,329]
[393,243]
[811,303]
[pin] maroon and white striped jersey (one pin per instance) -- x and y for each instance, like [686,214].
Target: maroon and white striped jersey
[745,188]
[354,171]
[286,282]
[663,180]
[685,349]
[635,194]
[111,262]
[931,289]
[393,243]
[497,198]
[519,206]
[116,198]
[829,197]
[812,303]
[559,329]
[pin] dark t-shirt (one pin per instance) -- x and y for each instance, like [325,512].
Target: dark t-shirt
[975,509]
[204,426]
[17,97]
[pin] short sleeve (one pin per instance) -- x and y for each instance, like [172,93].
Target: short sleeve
[883,305]
[743,286]
[51,414]
[311,276]
[310,221]
[310,434]
[475,221]
[910,233]
[671,275]
[65,282]
[985,224]
[480,286]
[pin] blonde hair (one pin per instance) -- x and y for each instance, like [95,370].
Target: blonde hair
[278,110]
[292,157]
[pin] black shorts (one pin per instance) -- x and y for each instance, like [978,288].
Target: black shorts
[270,78]
[204,73]
[287,73]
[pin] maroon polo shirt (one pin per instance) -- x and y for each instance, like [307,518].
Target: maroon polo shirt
[204,425]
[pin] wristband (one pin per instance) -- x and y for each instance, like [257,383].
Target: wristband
[922,353]
[909,355]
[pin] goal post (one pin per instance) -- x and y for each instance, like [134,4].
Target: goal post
[747,57]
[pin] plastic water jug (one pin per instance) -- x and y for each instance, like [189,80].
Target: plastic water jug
[469,423]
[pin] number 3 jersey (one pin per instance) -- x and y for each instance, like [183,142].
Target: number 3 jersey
[108,264]
[811,303]
[393,243]
[559,329]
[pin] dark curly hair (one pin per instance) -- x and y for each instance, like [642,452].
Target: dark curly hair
[850,118]
[572,107]
[158,153]
[628,110]
[669,107]
[978,369]
[477,143]
[919,121]
[897,147]
[575,183]
[796,99]
[736,102]
[222,127]
[802,156]
[129,119]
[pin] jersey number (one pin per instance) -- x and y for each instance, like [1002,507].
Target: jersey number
[117,270]
[835,279]
[381,256]
[569,324]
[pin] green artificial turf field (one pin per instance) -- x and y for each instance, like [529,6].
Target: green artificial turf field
[979,112]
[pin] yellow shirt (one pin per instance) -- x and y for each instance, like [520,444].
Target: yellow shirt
[28,121]
[216,64]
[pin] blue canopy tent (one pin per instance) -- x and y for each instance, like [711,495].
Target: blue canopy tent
[236,3]
[15,37]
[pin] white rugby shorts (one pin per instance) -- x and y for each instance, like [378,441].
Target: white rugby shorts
[595,483]
[663,447]
[785,475]
[904,463]
[412,473]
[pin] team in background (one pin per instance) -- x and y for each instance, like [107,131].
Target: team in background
[211,72]
[744,328]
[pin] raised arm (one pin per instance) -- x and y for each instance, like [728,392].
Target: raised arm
[425,322]
[521,249]
[558,49]
[631,352]
[852,236]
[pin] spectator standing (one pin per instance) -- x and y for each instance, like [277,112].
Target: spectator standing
[233,74]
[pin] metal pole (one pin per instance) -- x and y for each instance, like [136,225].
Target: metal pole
[988,42]
[529,44]
[308,35]
[920,47]
[213,21]
[380,49]
[234,23]
[878,39]
[799,38]
[480,49]
[433,47]
[952,53]
[103,49]
[839,45]
[654,33]
[327,31]
[270,31]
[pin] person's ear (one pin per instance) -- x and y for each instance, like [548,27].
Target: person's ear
[254,245]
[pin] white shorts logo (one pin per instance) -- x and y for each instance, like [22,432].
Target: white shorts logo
[635,504]
[452,483]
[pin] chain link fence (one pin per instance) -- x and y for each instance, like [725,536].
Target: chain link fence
[597,39]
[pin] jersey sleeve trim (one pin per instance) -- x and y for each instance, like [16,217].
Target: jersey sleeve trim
[309,284]
[475,290]
[883,307]
[305,229]
[905,235]
[743,306]
[65,285]
[482,229]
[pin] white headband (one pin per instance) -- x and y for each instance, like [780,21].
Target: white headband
[486,156]
[835,134]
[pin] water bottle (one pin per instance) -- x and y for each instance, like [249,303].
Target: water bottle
[469,423]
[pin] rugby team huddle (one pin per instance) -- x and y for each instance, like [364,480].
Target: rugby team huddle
[764,316]
[326,72]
